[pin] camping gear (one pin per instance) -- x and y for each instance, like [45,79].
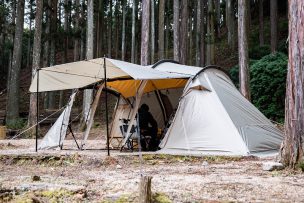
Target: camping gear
[212,117]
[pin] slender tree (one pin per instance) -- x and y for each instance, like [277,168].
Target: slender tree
[145,27]
[292,148]
[12,107]
[36,61]
[88,94]
[230,18]
[110,29]
[77,40]
[203,33]
[184,32]
[152,31]
[243,48]
[176,29]
[133,48]
[274,25]
[210,59]
[198,33]
[261,22]
[53,33]
[123,37]
[217,4]
[161,26]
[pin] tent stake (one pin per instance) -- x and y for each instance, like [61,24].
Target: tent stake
[37,109]
[106,103]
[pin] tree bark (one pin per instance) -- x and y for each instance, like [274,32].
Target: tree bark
[184,32]
[292,148]
[218,17]
[203,33]
[53,33]
[145,193]
[244,77]
[210,60]
[145,27]
[198,33]
[36,62]
[12,107]
[176,29]
[110,30]
[152,32]
[161,27]
[261,22]
[29,44]
[88,94]
[230,16]
[123,37]
[77,41]
[274,25]
[133,31]
[117,23]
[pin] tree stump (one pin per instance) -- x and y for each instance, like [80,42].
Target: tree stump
[145,193]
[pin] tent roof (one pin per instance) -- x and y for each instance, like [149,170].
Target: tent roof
[83,73]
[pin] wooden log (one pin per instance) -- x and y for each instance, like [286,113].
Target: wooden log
[145,193]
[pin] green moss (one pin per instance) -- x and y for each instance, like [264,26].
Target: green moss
[161,198]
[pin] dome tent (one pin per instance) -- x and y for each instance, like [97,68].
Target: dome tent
[214,118]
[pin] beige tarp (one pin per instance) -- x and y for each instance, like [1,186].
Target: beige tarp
[84,73]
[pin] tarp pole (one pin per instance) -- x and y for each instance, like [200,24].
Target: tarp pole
[106,103]
[37,109]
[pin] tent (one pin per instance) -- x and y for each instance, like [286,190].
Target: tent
[214,118]
[211,117]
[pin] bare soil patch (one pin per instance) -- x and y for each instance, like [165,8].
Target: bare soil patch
[92,176]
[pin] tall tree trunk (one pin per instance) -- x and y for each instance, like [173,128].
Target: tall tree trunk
[36,61]
[152,31]
[145,27]
[274,25]
[203,33]
[184,32]
[88,94]
[53,31]
[218,17]
[83,35]
[292,148]
[46,49]
[243,48]
[176,30]
[76,41]
[133,31]
[167,30]
[261,22]
[117,22]
[210,34]
[161,26]
[123,37]
[110,30]
[230,17]
[198,33]
[29,44]
[12,107]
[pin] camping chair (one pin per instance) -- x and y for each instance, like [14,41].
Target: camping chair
[133,133]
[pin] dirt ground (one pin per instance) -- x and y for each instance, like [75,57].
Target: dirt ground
[92,176]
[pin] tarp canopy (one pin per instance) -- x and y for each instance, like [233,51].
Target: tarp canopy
[84,73]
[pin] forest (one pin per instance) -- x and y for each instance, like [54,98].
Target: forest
[257,43]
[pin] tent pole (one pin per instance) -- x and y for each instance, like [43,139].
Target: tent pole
[106,103]
[37,109]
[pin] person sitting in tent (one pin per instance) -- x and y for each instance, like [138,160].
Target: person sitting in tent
[148,127]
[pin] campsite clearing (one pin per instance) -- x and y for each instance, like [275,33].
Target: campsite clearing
[70,175]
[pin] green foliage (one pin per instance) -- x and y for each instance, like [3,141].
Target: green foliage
[17,124]
[267,84]
[300,165]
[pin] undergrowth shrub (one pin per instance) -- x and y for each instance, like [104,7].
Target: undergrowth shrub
[267,84]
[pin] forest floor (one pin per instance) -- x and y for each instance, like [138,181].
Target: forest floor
[92,176]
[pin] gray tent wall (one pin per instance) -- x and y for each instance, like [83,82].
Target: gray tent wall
[214,118]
